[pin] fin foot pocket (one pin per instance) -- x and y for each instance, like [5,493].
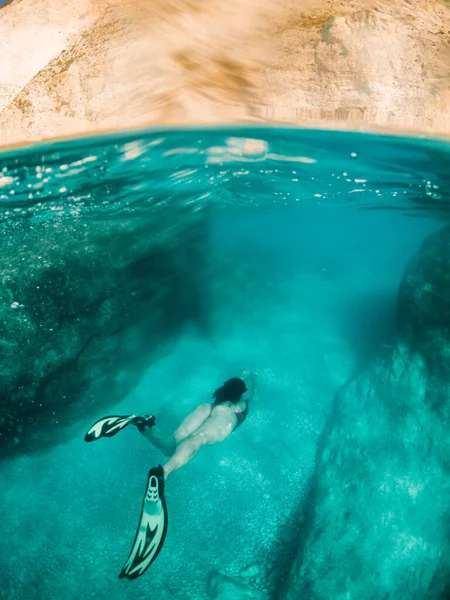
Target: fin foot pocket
[145,422]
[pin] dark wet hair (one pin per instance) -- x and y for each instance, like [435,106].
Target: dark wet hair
[231,391]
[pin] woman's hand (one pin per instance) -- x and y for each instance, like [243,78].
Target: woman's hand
[252,377]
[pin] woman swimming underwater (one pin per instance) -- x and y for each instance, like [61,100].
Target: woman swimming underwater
[207,424]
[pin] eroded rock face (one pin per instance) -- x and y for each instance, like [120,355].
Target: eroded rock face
[87,303]
[378,524]
[365,64]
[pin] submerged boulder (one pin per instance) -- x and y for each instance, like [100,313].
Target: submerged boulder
[223,587]
[379,517]
[86,304]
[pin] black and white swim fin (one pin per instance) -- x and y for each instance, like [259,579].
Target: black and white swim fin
[152,528]
[109,426]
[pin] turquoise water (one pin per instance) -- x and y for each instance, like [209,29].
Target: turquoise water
[140,271]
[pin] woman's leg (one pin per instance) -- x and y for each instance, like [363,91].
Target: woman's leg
[192,422]
[168,443]
[186,451]
[213,430]
[163,442]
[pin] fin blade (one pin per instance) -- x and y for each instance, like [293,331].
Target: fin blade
[151,531]
[107,427]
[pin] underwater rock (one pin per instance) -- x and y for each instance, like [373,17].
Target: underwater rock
[424,294]
[250,571]
[222,587]
[378,520]
[87,304]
